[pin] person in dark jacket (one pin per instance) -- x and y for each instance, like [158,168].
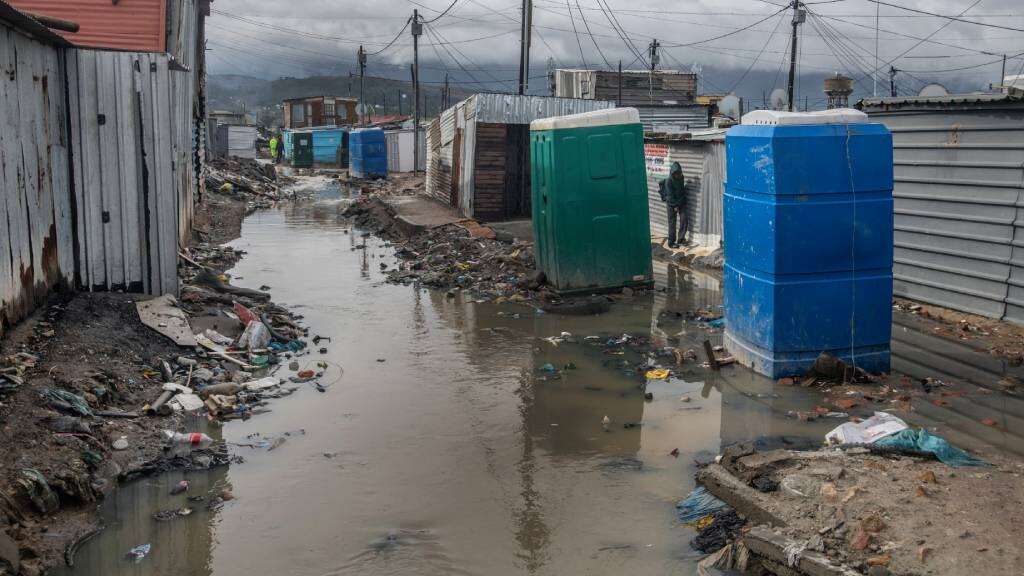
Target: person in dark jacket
[673,194]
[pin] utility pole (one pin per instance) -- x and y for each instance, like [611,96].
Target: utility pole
[892,81]
[417,29]
[362,69]
[526,17]
[447,92]
[618,100]
[1002,75]
[798,18]
[652,53]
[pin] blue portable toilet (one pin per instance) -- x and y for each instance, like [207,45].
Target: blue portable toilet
[367,153]
[808,217]
[288,150]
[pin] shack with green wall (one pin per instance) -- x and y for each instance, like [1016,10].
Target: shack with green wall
[589,197]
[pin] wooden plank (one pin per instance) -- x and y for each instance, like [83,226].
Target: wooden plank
[81,238]
[8,174]
[145,88]
[166,198]
[28,102]
[748,502]
[109,149]
[57,72]
[764,542]
[45,226]
[92,183]
[127,131]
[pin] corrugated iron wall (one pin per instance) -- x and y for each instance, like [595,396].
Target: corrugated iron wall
[959,210]
[36,253]
[128,25]
[130,169]
[703,164]
[673,118]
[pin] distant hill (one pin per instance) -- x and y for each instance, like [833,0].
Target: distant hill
[236,92]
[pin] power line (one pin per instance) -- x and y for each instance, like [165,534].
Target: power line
[620,31]
[727,34]
[756,58]
[592,39]
[441,15]
[393,40]
[956,18]
[578,43]
[925,39]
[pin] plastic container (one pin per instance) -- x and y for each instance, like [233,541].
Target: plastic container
[367,153]
[808,216]
[589,199]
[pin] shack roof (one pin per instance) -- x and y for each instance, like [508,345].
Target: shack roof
[29,25]
[515,109]
[136,25]
[980,99]
[318,96]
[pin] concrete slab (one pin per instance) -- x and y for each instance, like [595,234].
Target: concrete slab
[420,213]
[514,229]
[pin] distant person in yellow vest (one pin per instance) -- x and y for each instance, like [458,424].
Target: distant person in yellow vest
[273,148]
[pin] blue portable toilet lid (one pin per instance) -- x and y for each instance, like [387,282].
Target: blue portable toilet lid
[782,118]
[609,117]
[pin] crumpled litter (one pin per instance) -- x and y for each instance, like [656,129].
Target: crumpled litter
[794,551]
[66,401]
[657,374]
[879,426]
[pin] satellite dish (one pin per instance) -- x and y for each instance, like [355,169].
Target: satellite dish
[779,99]
[933,90]
[730,106]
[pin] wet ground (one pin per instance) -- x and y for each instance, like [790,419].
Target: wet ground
[446,448]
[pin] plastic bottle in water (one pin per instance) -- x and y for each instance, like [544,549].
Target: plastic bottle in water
[182,444]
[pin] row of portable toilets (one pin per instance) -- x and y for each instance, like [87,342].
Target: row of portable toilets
[363,151]
[808,221]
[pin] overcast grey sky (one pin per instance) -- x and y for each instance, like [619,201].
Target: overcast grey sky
[479,39]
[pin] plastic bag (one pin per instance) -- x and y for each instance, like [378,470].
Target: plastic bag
[697,505]
[255,336]
[923,441]
[879,426]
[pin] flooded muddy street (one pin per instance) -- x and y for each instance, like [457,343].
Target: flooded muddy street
[452,438]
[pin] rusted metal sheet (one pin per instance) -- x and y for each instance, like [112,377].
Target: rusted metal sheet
[35,238]
[137,25]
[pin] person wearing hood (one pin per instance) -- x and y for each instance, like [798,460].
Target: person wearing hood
[673,194]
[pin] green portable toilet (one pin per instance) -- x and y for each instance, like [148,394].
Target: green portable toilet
[302,143]
[591,228]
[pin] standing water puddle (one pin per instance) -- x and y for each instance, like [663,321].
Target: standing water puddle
[446,448]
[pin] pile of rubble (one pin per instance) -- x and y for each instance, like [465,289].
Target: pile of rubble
[257,184]
[463,256]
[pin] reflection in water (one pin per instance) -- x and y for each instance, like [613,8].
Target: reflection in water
[447,449]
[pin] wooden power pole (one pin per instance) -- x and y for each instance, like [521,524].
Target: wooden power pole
[417,29]
[362,69]
[798,18]
[524,46]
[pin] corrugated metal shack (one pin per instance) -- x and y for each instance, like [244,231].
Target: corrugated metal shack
[131,25]
[478,152]
[36,244]
[110,140]
[666,99]
[959,210]
[702,157]
[235,141]
[400,149]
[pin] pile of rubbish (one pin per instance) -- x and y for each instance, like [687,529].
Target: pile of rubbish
[257,184]
[453,258]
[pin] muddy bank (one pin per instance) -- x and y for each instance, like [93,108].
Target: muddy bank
[87,389]
[845,512]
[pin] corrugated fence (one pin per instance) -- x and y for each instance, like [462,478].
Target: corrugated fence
[702,158]
[959,210]
[35,215]
[98,165]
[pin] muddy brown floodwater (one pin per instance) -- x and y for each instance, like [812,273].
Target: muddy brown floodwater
[445,448]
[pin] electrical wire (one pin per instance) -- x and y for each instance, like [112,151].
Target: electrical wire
[578,43]
[957,18]
[620,31]
[756,58]
[441,15]
[726,35]
[925,39]
[592,39]
[393,40]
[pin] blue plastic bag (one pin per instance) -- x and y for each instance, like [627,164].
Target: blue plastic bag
[922,441]
[697,505]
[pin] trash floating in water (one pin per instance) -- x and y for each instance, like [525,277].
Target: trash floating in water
[657,374]
[138,553]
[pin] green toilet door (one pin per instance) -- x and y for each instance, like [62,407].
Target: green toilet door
[303,144]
